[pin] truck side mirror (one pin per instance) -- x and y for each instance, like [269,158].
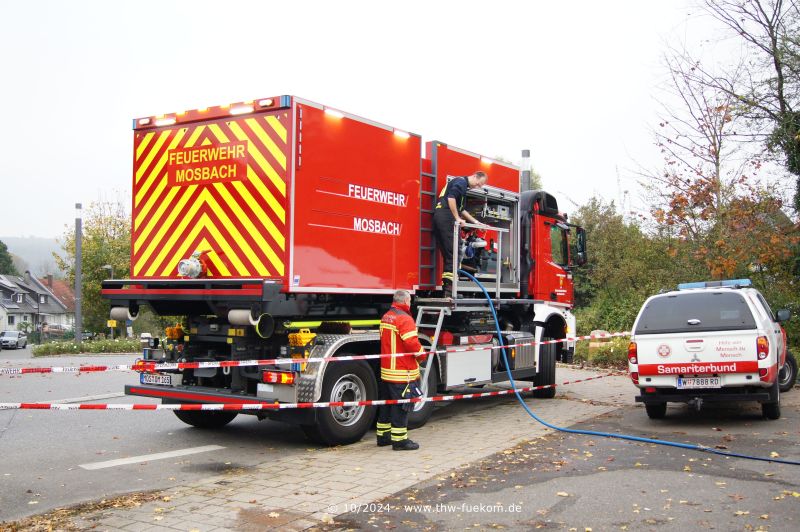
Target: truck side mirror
[579,249]
[784,315]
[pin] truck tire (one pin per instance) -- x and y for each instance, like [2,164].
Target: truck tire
[787,377]
[344,381]
[772,409]
[422,411]
[206,419]
[547,370]
[656,410]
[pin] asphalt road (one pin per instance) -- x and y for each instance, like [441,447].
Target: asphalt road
[575,482]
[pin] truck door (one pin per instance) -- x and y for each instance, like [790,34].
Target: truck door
[552,280]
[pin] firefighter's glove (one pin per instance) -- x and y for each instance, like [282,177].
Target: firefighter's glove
[411,391]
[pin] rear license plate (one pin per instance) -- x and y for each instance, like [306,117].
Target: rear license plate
[699,382]
[155,378]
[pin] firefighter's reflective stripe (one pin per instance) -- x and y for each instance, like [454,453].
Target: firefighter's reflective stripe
[382,428]
[399,433]
[399,375]
[447,275]
[409,334]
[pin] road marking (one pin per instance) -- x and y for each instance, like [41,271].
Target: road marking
[150,457]
[86,398]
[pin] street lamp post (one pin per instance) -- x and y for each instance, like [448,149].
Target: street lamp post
[78,273]
[110,268]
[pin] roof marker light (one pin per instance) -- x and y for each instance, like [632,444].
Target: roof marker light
[487,160]
[266,102]
[401,134]
[241,109]
[144,121]
[203,110]
[166,121]
[334,113]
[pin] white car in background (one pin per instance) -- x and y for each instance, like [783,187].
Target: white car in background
[709,342]
[13,340]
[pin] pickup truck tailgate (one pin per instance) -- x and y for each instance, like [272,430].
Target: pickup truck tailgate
[707,354]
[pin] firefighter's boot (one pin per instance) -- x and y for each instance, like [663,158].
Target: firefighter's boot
[447,288]
[405,445]
[383,433]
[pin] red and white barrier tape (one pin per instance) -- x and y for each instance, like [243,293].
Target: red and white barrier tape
[151,366]
[282,406]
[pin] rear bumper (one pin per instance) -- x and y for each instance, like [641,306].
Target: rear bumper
[190,394]
[716,395]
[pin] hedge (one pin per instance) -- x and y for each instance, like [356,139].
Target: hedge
[70,347]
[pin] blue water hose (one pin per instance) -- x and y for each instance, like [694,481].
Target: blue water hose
[689,446]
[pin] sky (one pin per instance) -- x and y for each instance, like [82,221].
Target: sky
[574,82]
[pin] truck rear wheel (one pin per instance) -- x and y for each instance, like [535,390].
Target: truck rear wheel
[422,411]
[788,373]
[547,370]
[206,419]
[342,425]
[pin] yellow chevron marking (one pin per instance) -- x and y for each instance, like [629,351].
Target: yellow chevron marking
[183,251]
[143,212]
[259,159]
[248,225]
[259,212]
[235,236]
[217,131]
[156,218]
[214,258]
[143,167]
[177,233]
[277,126]
[267,140]
[153,174]
[157,240]
[143,145]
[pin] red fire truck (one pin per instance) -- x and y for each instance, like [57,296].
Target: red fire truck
[280,227]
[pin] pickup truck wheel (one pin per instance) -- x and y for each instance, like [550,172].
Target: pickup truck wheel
[342,425]
[422,411]
[206,419]
[656,410]
[788,373]
[547,370]
[772,410]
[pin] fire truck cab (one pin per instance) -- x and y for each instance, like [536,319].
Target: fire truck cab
[281,228]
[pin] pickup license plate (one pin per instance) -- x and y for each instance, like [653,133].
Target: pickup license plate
[699,382]
[155,378]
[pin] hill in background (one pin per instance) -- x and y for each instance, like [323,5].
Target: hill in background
[34,254]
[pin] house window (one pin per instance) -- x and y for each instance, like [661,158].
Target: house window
[25,317]
[11,320]
[42,299]
[18,298]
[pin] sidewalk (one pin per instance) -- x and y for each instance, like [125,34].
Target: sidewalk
[300,490]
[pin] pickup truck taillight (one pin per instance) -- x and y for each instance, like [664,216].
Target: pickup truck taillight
[762,347]
[632,353]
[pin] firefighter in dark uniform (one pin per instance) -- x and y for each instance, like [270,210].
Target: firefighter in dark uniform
[399,375]
[451,208]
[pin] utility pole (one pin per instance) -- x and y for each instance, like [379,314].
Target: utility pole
[78,272]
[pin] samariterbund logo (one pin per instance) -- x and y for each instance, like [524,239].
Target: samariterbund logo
[701,368]
[207,164]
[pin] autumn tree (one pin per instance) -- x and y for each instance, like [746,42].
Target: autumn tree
[106,241]
[6,261]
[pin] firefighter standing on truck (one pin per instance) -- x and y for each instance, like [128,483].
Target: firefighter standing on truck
[451,208]
[399,375]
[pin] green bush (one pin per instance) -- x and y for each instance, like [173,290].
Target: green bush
[123,345]
[611,353]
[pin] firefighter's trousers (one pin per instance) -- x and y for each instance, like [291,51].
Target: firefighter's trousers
[443,222]
[392,419]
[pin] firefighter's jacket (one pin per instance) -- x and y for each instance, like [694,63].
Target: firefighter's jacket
[399,335]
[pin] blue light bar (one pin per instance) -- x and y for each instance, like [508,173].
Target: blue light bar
[734,283]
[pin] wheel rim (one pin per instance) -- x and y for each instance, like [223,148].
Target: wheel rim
[785,374]
[348,388]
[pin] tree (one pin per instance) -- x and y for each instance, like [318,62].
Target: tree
[768,92]
[6,261]
[106,241]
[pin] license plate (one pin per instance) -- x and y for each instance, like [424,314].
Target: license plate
[155,378]
[699,382]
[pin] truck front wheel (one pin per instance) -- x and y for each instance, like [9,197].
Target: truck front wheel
[546,374]
[206,419]
[342,425]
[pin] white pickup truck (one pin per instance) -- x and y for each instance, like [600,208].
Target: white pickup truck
[709,342]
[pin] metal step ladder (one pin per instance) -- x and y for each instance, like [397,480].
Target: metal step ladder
[425,320]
